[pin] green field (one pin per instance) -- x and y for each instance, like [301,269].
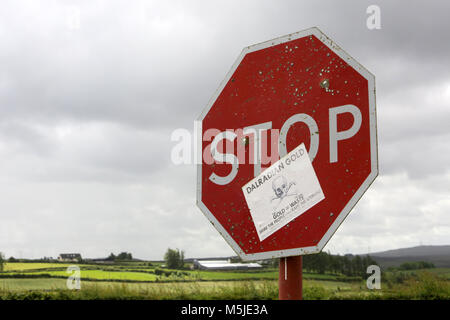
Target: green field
[20,266]
[259,289]
[136,272]
[141,281]
[443,273]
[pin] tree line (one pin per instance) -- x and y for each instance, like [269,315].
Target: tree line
[123,256]
[348,265]
[174,258]
[416,265]
[323,262]
[2,262]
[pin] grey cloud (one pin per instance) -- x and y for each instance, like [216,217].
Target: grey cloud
[86,116]
[83,152]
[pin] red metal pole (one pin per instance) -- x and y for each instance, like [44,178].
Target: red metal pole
[290,278]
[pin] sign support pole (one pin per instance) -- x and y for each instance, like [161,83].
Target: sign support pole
[290,278]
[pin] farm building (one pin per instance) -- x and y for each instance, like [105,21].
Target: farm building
[69,257]
[223,265]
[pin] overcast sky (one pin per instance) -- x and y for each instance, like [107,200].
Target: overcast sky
[90,92]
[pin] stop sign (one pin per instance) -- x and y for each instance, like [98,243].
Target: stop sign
[300,88]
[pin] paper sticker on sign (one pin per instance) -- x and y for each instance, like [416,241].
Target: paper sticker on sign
[282,192]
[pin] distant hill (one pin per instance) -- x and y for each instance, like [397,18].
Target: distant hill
[438,255]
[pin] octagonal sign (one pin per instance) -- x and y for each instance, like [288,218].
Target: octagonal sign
[300,90]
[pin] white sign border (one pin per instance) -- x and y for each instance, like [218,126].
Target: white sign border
[373,147]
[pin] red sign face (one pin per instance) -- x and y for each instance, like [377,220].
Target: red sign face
[301,88]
